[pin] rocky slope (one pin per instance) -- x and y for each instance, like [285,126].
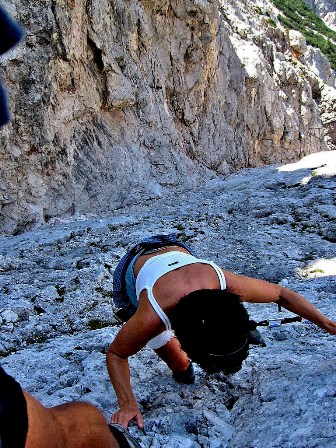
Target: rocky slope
[276,223]
[119,102]
[326,9]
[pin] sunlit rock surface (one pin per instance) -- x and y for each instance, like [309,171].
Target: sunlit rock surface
[276,223]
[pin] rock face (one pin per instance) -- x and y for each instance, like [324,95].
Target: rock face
[118,102]
[298,42]
[326,9]
[275,223]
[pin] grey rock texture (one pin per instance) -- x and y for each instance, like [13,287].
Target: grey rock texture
[314,58]
[275,222]
[115,102]
[320,66]
[327,107]
[326,9]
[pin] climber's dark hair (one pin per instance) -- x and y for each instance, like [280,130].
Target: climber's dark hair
[213,328]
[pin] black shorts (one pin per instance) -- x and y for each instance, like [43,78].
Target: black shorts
[13,413]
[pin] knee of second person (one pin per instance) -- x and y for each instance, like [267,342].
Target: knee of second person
[77,414]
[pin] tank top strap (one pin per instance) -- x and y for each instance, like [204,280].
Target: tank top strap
[157,266]
[159,311]
[219,272]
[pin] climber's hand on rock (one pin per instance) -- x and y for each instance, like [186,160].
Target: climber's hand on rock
[330,327]
[127,413]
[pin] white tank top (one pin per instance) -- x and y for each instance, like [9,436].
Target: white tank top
[159,265]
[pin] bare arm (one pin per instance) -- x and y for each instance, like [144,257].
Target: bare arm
[259,291]
[133,336]
[119,373]
[297,304]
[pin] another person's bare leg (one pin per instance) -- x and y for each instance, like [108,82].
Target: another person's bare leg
[73,425]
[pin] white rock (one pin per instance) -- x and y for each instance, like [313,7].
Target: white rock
[297,41]
[9,316]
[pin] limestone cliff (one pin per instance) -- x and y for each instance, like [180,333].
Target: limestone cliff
[117,101]
[326,9]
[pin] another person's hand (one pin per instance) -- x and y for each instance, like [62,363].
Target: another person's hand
[125,414]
